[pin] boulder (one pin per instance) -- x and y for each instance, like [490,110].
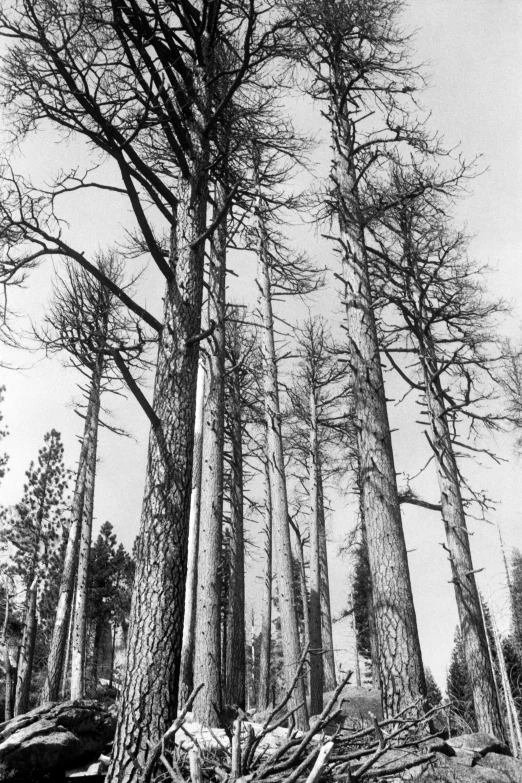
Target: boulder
[55,737]
[508,766]
[480,743]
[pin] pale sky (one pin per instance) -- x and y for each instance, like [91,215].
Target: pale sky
[473,52]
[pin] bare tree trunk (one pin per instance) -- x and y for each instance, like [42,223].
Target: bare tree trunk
[207,653]
[64,689]
[315,637]
[281,531]
[26,653]
[189,620]
[236,638]
[330,679]
[56,658]
[457,538]
[7,663]
[301,563]
[401,667]
[263,693]
[148,703]
[80,600]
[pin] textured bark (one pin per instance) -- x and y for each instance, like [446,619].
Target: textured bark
[316,640]
[263,693]
[84,548]
[330,680]
[189,619]
[148,702]
[207,647]
[56,658]
[372,626]
[26,652]
[281,531]
[401,669]
[304,595]
[235,648]
[457,538]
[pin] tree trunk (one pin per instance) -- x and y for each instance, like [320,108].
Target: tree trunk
[148,702]
[26,652]
[300,559]
[457,537]
[84,548]
[402,673]
[207,653]
[189,619]
[236,638]
[263,693]
[330,679]
[280,529]
[56,658]
[7,664]
[315,638]
[372,626]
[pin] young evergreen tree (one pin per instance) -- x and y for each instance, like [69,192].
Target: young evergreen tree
[36,530]
[459,690]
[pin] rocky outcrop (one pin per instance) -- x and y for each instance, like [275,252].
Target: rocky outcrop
[55,737]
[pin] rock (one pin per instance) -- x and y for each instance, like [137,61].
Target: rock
[55,737]
[479,742]
[504,764]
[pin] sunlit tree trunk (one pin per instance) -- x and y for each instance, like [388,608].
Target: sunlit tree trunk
[189,620]
[235,649]
[84,546]
[330,680]
[457,538]
[402,674]
[280,528]
[56,659]
[207,652]
[316,642]
[263,692]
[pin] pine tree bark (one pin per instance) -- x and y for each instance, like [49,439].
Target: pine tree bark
[330,679]
[148,702]
[207,650]
[263,693]
[236,638]
[84,547]
[189,619]
[56,658]
[281,531]
[315,638]
[402,674]
[467,597]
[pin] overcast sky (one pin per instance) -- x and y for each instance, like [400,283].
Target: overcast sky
[473,54]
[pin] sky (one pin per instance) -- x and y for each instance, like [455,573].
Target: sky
[472,51]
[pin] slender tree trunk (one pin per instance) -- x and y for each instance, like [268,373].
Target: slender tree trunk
[330,679]
[207,654]
[355,636]
[96,650]
[401,667]
[7,663]
[189,620]
[84,548]
[149,697]
[457,538]
[56,658]
[263,693]
[316,641]
[26,653]
[64,686]
[280,529]
[300,559]
[236,637]
[372,625]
